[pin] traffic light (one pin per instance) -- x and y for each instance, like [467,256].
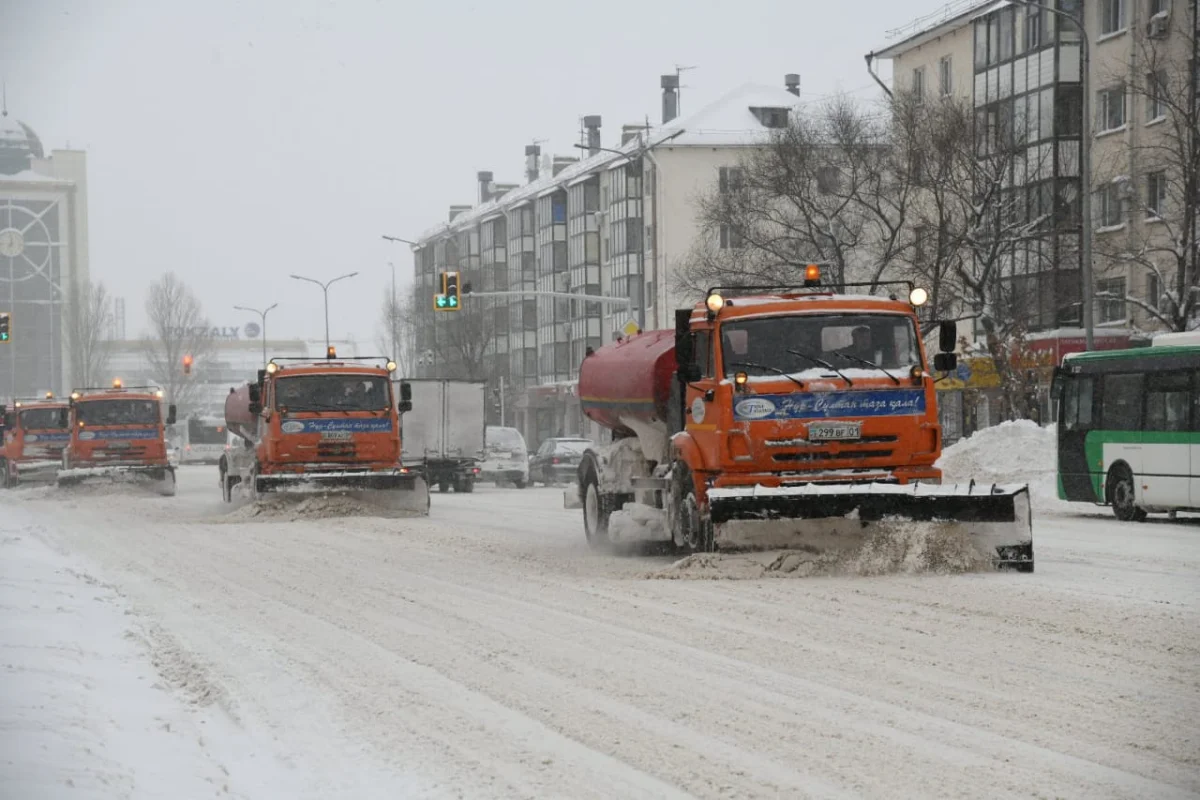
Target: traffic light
[449,298]
[5,323]
[187,365]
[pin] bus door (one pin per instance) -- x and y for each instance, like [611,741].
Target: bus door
[1075,397]
[1195,441]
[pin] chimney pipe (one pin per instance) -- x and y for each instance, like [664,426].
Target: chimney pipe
[629,133]
[485,186]
[532,151]
[670,98]
[791,82]
[560,163]
[591,124]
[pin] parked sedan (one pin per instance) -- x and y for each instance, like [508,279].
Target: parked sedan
[556,460]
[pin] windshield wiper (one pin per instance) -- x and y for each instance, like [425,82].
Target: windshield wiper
[776,370]
[822,363]
[871,364]
[318,408]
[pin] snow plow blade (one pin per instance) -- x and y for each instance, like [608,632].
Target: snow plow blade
[997,518]
[161,479]
[397,490]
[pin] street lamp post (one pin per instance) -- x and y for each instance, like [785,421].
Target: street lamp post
[325,288]
[392,313]
[1085,163]
[262,314]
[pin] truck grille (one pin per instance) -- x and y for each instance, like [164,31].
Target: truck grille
[337,450]
[847,455]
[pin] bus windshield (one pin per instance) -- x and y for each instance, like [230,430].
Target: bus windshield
[333,393]
[798,342]
[202,432]
[117,412]
[42,419]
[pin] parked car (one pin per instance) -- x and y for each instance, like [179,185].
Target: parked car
[505,457]
[555,461]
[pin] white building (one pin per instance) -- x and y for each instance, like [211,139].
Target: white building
[620,222]
[43,256]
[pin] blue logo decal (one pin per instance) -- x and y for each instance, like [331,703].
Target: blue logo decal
[370,425]
[251,330]
[121,433]
[825,405]
[47,437]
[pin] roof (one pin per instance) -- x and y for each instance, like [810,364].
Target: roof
[726,122]
[1138,353]
[950,17]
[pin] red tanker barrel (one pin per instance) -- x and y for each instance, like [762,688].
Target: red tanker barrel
[629,379]
[237,410]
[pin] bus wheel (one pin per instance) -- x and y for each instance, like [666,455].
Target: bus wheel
[1121,495]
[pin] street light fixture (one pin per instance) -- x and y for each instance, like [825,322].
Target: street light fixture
[262,314]
[1085,162]
[325,288]
[392,313]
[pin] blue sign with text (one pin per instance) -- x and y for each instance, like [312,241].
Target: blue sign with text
[328,424]
[826,405]
[47,437]
[119,433]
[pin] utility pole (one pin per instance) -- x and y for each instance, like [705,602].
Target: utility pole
[325,288]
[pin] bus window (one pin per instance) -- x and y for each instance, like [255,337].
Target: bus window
[1196,402]
[1077,404]
[1121,408]
[1168,396]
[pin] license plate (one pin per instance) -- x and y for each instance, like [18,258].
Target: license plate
[336,436]
[833,431]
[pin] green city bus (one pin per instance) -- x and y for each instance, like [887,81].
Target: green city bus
[1129,428]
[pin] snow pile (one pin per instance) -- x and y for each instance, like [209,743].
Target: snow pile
[1020,451]
[892,548]
[637,522]
[292,507]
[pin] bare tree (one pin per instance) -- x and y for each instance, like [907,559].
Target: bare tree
[89,323]
[177,328]
[1152,184]
[465,339]
[396,333]
[823,189]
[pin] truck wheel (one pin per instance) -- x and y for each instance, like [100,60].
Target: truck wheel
[443,486]
[689,530]
[596,512]
[467,486]
[1121,494]
[6,481]
[519,483]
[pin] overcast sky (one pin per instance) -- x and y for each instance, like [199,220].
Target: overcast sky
[238,142]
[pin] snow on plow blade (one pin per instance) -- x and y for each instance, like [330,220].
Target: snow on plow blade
[396,489]
[161,479]
[996,517]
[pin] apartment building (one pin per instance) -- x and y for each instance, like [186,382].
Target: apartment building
[1021,67]
[615,221]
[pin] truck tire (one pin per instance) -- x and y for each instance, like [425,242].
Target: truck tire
[519,483]
[443,486]
[467,486]
[691,531]
[6,481]
[597,509]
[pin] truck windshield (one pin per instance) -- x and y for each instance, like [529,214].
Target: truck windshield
[761,346]
[333,393]
[202,432]
[42,419]
[117,412]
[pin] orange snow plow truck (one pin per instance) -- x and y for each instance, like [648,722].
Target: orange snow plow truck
[783,417]
[118,434]
[329,426]
[33,434]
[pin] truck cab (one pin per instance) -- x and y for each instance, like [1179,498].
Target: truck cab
[115,431]
[32,436]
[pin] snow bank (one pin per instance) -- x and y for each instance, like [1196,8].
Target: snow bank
[94,704]
[637,522]
[1020,451]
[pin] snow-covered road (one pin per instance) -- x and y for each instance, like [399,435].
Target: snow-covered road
[486,652]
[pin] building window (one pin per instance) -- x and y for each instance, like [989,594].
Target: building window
[1034,28]
[1152,290]
[731,238]
[918,84]
[771,117]
[1112,16]
[1068,111]
[730,179]
[1005,21]
[1109,197]
[945,73]
[1111,299]
[1156,95]
[1110,108]
[1156,195]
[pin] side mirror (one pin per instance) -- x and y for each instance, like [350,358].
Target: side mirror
[1056,385]
[405,403]
[945,362]
[171,414]
[947,336]
[690,372]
